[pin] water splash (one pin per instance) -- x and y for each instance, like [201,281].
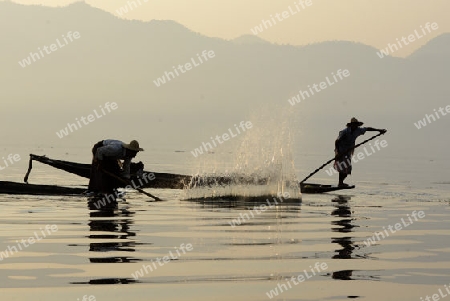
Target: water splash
[262,164]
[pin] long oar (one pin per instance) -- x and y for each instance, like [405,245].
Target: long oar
[130,184]
[338,156]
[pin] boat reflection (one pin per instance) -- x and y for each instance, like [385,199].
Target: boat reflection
[111,226]
[244,203]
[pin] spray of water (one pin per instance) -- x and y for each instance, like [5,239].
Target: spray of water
[260,165]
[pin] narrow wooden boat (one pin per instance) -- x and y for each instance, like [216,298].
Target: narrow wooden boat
[34,189]
[321,188]
[159,180]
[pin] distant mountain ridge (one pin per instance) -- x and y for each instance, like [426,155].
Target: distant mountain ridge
[439,46]
[119,60]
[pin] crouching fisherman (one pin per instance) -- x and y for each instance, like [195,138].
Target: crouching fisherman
[113,157]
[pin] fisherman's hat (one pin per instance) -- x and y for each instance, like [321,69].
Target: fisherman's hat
[355,121]
[134,146]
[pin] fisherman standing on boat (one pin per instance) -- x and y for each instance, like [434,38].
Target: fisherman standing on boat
[344,147]
[106,157]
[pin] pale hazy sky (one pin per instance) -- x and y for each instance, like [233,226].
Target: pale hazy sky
[372,22]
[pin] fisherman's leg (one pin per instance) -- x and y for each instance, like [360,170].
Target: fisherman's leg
[342,176]
[95,176]
[108,183]
[92,186]
[344,172]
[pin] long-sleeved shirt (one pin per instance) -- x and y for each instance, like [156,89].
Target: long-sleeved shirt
[114,149]
[347,138]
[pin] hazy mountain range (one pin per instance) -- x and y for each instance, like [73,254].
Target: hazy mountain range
[118,61]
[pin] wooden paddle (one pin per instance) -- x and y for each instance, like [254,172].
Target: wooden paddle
[338,156]
[130,184]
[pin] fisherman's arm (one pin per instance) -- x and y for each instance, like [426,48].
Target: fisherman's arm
[370,129]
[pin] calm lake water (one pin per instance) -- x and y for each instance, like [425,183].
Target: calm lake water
[322,240]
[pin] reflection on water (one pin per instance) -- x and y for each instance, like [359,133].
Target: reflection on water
[342,210]
[97,247]
[110,224]
[271,202]
[346,224]
[118,228]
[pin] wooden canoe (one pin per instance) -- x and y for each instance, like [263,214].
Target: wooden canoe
[161,180]
[321,188]
[7,187]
